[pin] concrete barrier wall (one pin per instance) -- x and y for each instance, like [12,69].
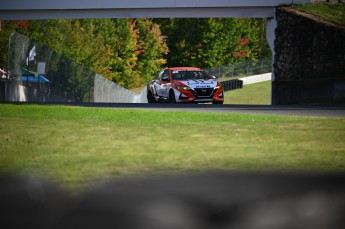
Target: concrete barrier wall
[256,78]
[19,93]
[105,91]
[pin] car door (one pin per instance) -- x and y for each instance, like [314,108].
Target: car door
[163,84]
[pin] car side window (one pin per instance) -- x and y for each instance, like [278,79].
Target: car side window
[165,76]
[160,75]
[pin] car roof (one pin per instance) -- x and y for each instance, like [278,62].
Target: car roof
[184,68]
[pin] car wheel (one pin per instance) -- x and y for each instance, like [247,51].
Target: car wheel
[172,97]
[150,98]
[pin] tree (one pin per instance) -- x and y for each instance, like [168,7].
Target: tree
[210,42]
[150,48]
[6,28]
[130,51]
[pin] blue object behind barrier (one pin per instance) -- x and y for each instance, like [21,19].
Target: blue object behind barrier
[33,79]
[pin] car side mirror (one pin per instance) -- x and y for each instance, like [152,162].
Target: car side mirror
[213,77]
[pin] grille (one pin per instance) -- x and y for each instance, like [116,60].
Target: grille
[204,91]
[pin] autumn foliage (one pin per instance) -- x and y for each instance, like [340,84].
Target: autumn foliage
[131,51]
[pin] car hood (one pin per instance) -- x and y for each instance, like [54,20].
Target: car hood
[200,83]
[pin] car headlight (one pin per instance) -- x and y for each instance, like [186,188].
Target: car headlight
[183,88]
[219,86]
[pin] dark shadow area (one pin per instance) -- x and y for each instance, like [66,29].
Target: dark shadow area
[209,200]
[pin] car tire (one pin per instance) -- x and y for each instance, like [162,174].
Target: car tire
[172,97]
[150,98]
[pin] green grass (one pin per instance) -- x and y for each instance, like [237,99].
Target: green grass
[332,12]
[74,146]
[258,93]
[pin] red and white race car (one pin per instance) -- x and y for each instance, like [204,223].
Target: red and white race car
[184,84]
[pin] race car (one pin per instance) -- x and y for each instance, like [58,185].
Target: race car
[184,85]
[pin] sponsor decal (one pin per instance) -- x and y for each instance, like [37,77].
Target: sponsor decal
[201,83]
[186,70]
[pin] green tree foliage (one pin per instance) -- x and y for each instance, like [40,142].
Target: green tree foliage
[126,51]
[150,48]
[6,27]
[210,42]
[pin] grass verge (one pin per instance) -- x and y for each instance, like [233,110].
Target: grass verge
[329,11]
[75,146]
[258,93]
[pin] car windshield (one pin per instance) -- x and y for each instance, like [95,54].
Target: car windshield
[189,75]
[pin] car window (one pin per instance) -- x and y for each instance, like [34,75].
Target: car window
[176,75]
[201,75]
[189,75]
[165,75]
[159,75]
